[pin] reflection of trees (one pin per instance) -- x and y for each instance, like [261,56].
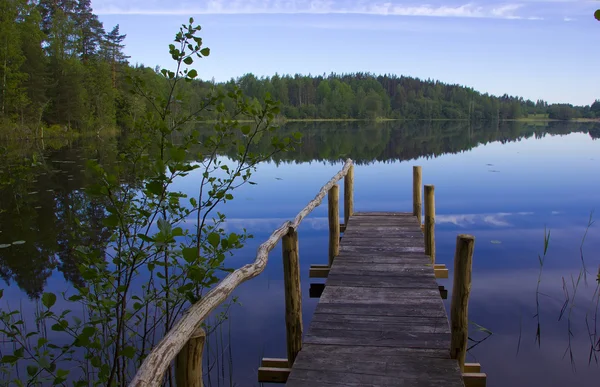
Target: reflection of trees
[39,202]
[43,201]
[391,141]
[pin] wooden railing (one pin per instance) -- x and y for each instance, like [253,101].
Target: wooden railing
[184,342]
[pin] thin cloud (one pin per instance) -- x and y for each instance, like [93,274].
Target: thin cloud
[361,7]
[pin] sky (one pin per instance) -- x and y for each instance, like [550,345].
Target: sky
[536,49]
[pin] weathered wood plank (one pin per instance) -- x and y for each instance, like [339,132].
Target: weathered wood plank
[425,271]
[433,325]
[409,310]
[318,378]
[409,366]
[403,296]
[378,248]
[380,281]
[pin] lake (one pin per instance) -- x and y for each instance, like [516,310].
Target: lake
[506,184]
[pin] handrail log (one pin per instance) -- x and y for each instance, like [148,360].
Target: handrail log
[152,370]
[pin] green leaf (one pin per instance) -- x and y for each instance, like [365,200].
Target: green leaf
[192,73]
[129,352]
[9,359]
[32,370]
[188,60]
[48,299]
[205,51]
[597,15]
[111,220]
[18,242]
[245,130]
[154,187]
[214,239]
[189,254]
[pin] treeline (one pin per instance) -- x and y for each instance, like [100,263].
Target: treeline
[368,96]
[58,65]
[60,68]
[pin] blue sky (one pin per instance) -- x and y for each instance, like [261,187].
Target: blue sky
[532,48]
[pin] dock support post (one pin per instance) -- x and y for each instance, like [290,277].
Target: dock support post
[348,195]
[293,295]
[188,364]
[417,198]
[334,222]
[459,322]
[430,222]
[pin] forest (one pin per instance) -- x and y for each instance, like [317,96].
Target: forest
[61,71]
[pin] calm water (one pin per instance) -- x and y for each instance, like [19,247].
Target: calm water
[504,184]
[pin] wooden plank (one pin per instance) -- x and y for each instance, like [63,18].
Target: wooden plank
[425,271]
[274,362]
[475,379]
[368,249]
[320,378]
[273,374]
[374,323]
[406,365]
[413,310]
[472,368]
[379,281]
[339,351]
[440,272]
[383,213]
[318,272]
[404,296]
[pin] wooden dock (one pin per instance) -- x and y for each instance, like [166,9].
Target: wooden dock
[380,320]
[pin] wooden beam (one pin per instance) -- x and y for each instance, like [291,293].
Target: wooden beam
[417,198]
[334,222]
[348,195]
[472,368]
[475,379]
[273,362]
[429,228]
[342,227]
[461,289]
[315,290]
[188,363]
[273,374]
[318,271]
[440,271]
[293,294]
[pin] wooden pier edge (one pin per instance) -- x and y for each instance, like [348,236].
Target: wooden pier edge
[188,364]
[417,198]
[429,227]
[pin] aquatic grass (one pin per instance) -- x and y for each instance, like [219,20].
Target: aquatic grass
[541,260]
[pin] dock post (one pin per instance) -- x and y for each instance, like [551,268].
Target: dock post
[348,195]
[430,222]
[188,364]
[334,222]
[417,198]
[459,321]
[293,295]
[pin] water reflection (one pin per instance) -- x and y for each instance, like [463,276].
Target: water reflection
[502,183]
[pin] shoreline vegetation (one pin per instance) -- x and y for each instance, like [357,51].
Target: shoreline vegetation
[58,132]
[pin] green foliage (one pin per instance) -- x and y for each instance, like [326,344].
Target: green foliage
[597,14]
[162,249]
